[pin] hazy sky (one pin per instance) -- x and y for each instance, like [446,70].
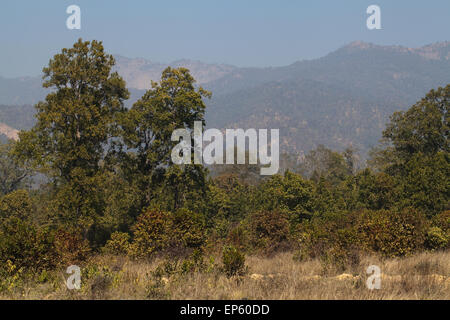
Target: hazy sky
[238,32]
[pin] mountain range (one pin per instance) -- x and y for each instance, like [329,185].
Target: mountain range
[342,99]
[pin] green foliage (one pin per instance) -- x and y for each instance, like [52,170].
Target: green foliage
[229,198]
[187,229]
[233,262]
[324,233]
[338,240]
[323,162]
[392,233]
[416,155]
[16,204]
[25,246]
[369,190]
[442,221]
[119,244]
[10,277]
[436,239]
[156,231]
[74,123]
[425,183]
[423,128]
[290,194]
[150,233]
[268,230]
[110,183]
[194,263]
[173,103]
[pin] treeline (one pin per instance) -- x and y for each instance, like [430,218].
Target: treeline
[110,186]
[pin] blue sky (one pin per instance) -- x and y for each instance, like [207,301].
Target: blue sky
[238,32]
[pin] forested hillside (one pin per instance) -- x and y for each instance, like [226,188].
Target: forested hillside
[342,99]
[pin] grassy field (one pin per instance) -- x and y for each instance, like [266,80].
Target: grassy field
[423,276]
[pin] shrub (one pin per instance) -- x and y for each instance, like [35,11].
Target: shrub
[175,233]
[194,263]
[238,237]
[268,230]
[71,247]
[339,259]
[26,247]
[150,233]
[233,262]
[436,239]
[118,244]
[442,221]
[392,233]
[324,234]
[187,229]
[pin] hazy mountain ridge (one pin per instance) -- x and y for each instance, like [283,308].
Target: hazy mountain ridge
[139,72]
[341,99]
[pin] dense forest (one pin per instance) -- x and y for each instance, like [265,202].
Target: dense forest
[93,178]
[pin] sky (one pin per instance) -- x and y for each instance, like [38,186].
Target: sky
[257,33]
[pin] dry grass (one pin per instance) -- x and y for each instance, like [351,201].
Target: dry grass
[423,276]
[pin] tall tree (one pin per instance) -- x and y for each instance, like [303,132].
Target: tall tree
[173,103]
[415,152]
[74,125]
[424,128]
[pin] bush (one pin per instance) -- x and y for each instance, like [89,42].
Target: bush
[393,233]
[339,259]
[150,233]
[436,239]
[187,230]
[321,236]
[118,244]
[442,221]
[71,247]
[158,231]
[233,262]
[238,237]
[26,247]
[194,263]
[269,230]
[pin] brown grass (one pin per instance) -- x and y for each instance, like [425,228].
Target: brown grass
[422,276]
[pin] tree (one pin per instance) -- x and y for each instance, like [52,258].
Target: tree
[74,125]
[333,166]
[13,176]
[173,103]
[423,128]
[416,152]
[16,204]
[290,194]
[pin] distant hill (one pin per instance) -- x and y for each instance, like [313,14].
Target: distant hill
[341,99]
[20,91]
[139,72]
